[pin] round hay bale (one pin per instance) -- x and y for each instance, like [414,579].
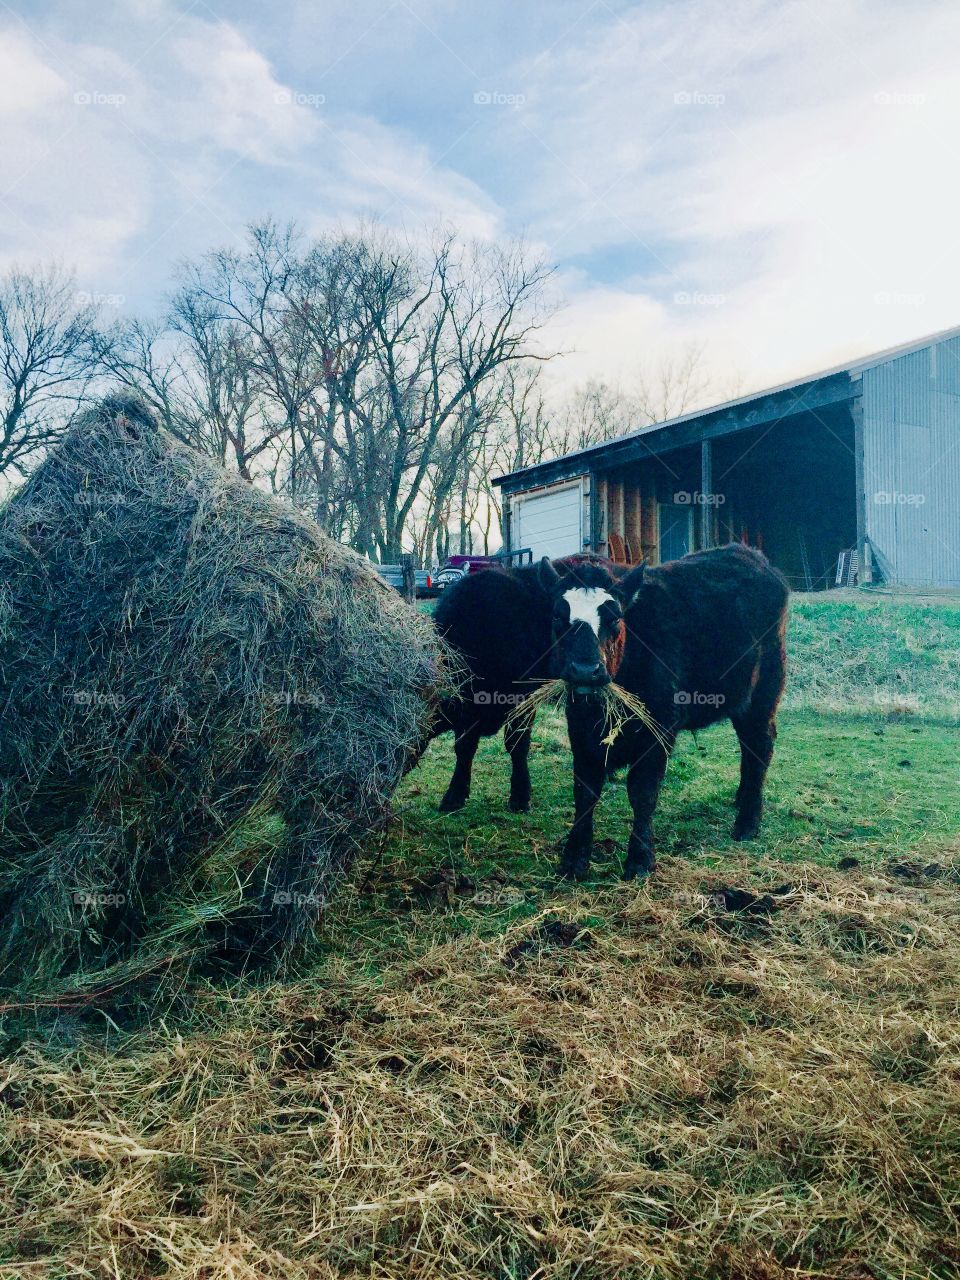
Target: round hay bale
[205,704]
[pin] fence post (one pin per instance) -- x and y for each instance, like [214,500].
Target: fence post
[409,578]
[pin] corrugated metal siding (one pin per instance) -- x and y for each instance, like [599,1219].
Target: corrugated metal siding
[911,422]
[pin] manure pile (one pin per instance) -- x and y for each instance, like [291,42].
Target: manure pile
[205,705]
[688,1082]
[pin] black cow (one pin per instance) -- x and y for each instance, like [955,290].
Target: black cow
[697,640]
[498,621]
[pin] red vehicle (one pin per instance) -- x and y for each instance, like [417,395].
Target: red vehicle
[456,567]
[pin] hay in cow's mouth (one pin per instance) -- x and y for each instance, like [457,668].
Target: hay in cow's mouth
[522,715]
[619,707]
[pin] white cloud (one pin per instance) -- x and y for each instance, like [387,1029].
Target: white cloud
[232,98]
[129,154]
[69,190]
[381,169]
[809,211]
[27,84]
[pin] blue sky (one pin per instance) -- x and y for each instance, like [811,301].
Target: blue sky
[774,181]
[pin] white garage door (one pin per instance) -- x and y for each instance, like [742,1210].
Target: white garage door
[550,523]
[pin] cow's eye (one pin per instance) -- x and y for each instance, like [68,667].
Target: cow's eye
[561,616]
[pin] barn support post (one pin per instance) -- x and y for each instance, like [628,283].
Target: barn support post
[648,522]
[598,515]
[864,573]
[594,512]
[707,538]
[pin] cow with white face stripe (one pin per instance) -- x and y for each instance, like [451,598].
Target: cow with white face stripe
[589,632]
[696,640]
[498,622]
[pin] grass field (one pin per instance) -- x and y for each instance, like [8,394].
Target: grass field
[747,1068]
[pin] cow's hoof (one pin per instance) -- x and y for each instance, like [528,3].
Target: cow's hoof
[450,804]
[746,830]
[577,870]
[638,871]
[518,806]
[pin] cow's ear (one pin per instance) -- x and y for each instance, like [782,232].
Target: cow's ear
[547,574]
[628,588]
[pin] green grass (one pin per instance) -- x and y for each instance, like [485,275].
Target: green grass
[876,790]
[879,791]
[873,652]
[838,786]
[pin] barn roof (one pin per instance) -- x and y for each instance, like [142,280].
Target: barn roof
[813,391]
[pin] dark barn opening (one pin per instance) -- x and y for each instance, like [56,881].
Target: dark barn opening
[787,487]
[790,488]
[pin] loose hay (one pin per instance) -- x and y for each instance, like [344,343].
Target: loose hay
[523,713]
[619,706]
[681,1091]
[205,703]
[622,705]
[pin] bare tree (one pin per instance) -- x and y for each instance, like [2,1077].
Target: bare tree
[591,413]
[406,346]
[380,384]
[460,318]
[138,355]
[679,383]
[239,311]
[47,360]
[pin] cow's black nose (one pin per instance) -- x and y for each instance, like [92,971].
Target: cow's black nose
[587,673]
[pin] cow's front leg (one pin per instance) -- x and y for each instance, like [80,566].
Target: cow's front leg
[465,747]
[588,778]
[643,788]
[516,739]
